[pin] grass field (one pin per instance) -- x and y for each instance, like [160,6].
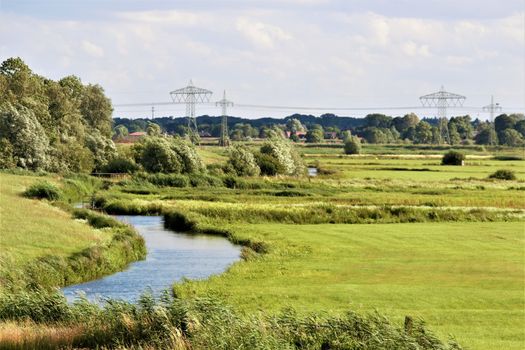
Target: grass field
[457,261]
[462,278]
[32,229]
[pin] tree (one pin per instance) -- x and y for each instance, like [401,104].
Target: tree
[102,148]
[242,161]
[190,160]
[284,153]
[314,136]
[487,136]
[423,133]
[407,121]
[520,127]
[352,145]
[156,155]
[153,129]
[120,131]
[21,129]
[378,121]
[375,135]
[96,109]
[510,137]
[294,125]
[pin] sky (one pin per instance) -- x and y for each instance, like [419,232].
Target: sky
[304,56]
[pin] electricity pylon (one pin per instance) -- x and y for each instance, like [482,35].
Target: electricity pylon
[191,95]
[224,140]
[442,100]
[492,108]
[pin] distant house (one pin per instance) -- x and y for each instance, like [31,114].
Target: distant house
[300,134]
[204,134]
[131,137]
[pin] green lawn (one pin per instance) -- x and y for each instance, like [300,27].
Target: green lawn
[465,279]
[32,228]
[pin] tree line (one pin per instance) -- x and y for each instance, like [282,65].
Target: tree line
[508,130]
[56,126]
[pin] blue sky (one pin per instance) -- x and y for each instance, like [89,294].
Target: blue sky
[306,53]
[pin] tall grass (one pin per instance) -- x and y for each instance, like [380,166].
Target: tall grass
[202,323]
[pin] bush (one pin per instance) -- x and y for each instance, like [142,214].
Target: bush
[43,190]
[453,158]
[285,155]
[243,162]
[268,164]
[352,145]
[200,180]
[503,174]
[120,165]
[168,180]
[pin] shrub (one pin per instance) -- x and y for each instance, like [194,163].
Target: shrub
[201,180]
[503,174]
[243,162]
[120,165]
[156,156]
[268,164]
[285,155]
[453,158]
[168,180]
[43,190]
[352,145]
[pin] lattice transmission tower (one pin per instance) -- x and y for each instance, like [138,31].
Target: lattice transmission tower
[191,95]
[492,108]
[224,140]
[442,100]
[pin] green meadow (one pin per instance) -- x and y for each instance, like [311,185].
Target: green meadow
[396,234]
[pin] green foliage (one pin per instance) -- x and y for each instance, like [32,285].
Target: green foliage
[43,190]
[120,165]
[423,133]
[157,156]
[269,165]
[511,137]
[153,129]
[352,145]
[102,148]
[163,180]
[503,174]
[315,136]
[285,155]
[487,136]
[453,158]
[30,145]
[52,126]
[6,154]
[242,161]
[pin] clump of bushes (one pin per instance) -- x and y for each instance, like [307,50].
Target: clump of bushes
[167,155]
[503,174]
[242,162]
[43,190]
[352,145]
[120,165]
[285,155]
[453,158]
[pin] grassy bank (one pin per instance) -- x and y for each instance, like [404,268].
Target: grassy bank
[46,321]
[462,278]
[43,245]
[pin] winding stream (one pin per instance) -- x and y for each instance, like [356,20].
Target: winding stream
[171,257]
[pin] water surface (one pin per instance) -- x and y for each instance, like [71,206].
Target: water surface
[171,256]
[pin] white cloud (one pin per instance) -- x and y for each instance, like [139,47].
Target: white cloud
[92,49]
[261,34]
[183,18]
